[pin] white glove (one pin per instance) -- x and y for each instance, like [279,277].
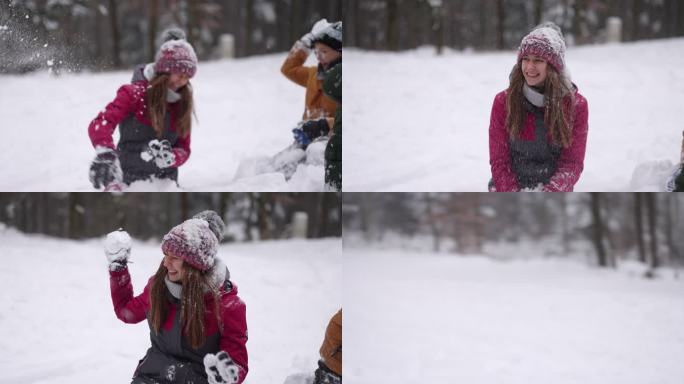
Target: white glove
[159,151]
[221,369]
[307,40]
[117,248]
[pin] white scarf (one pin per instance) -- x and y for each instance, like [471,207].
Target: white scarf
[533,96]
[216,276]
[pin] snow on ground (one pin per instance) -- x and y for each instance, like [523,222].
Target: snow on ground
[246,109]
[417,317]
[420,122]
[58,326]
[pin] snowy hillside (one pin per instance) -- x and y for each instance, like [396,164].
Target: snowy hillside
[420,122]
[58,325]
[414,317]
[246,110]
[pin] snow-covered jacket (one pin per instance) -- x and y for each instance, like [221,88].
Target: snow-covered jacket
[317,105]
[532,158]
[171,359]
[128,111]
[331,349]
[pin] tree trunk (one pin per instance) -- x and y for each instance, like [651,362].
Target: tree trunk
[483,23]
[637,9]
[432,221]
[597,229]
[114,25]
[538,11]
[390,31]
[501,23]
[653,240]
[152,21]
[438,14]
[639,226]
[249,26]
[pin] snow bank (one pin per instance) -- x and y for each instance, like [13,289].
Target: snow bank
[451,319]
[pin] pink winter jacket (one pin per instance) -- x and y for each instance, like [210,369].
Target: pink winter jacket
[232,338]
[570,163]
[130,101]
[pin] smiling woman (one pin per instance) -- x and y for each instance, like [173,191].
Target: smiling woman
[538,127]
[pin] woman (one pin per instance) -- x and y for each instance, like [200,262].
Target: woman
[538,127]
[154,118]
[197,321]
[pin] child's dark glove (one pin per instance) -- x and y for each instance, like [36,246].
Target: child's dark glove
[105,169]
[324,375]
[307,131]
[221,369]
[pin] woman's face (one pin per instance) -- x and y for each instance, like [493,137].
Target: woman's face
[178,81]
[174,267]
[326,55]
[534,70]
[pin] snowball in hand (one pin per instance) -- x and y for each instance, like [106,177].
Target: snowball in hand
[117,245]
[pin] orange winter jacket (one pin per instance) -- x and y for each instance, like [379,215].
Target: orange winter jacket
[317,105]
[331,350]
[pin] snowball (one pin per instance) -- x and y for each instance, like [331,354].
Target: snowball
[117,245]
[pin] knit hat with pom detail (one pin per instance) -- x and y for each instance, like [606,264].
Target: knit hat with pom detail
[545,41]
[176,56]
[215,222]
[194,241]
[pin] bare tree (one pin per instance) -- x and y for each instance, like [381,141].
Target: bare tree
[597,229]
[114,25]
[652,231]
[639,226]
[152,22]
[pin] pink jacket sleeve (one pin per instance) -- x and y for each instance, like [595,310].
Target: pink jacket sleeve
[571,161]
[102,127]
[499,152]
[128,309]
[234,334]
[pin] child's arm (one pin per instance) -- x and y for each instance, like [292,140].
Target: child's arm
[102,127]
[293,68]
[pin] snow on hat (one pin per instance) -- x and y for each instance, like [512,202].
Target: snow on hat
[194,241]
[545,41]
[176,56]
[330,36]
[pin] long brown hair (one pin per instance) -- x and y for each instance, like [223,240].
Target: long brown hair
[156,105]
[559,107]
[192,304]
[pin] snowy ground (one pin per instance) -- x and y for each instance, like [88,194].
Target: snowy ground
[57,324]
[420,122]
[414,317]
[246,110]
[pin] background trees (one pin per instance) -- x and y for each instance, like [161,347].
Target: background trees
[610,226]
[248,216]
[102,34]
